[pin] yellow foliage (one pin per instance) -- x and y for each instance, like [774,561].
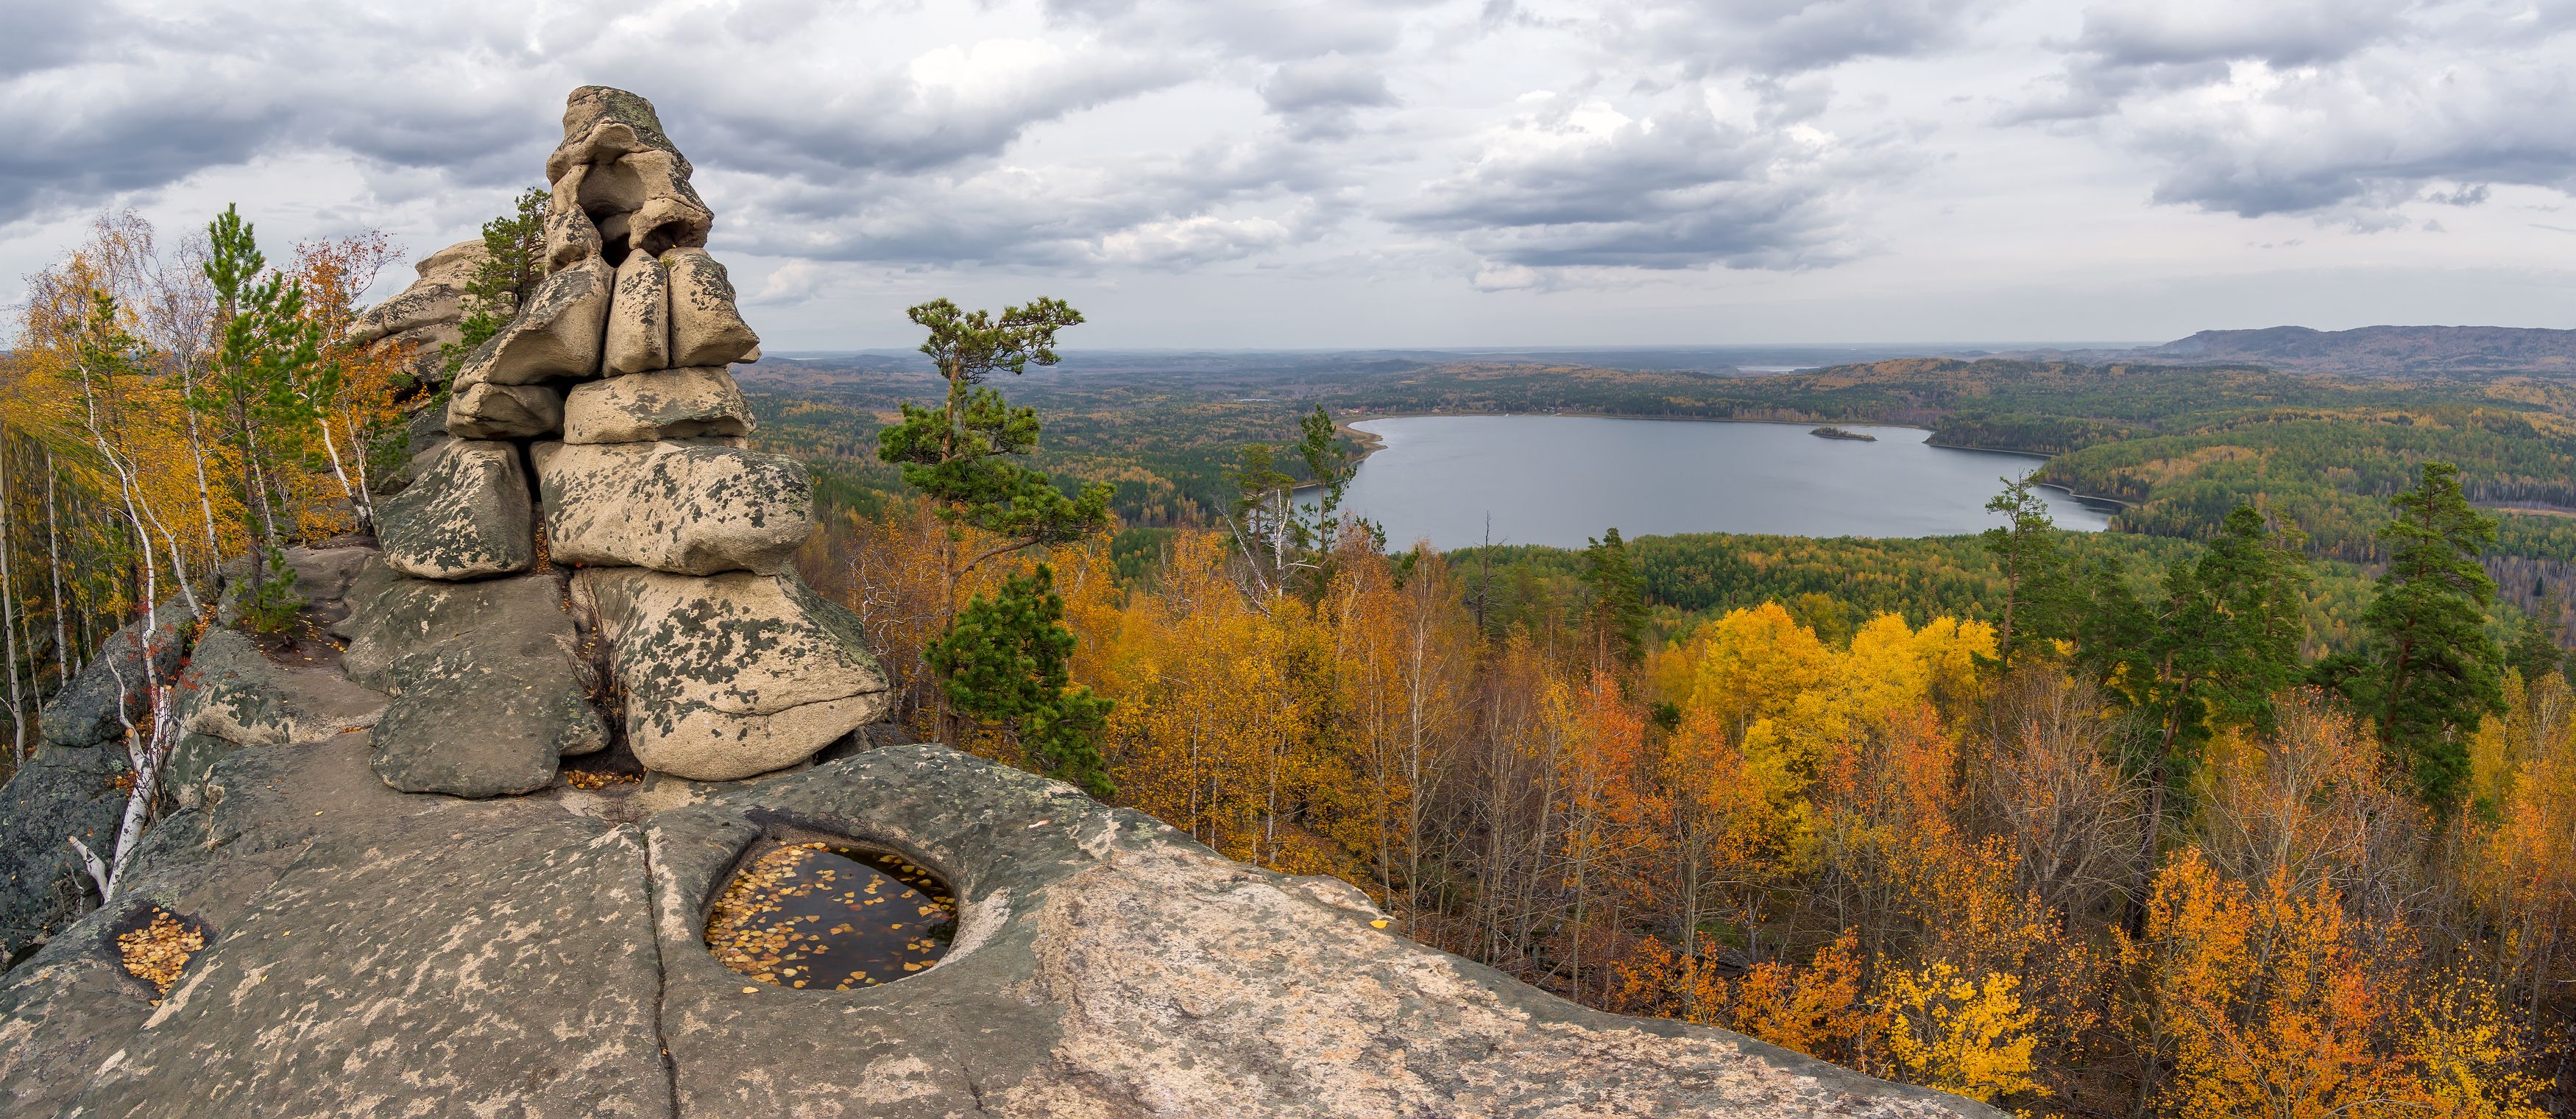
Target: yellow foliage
[1940,1029]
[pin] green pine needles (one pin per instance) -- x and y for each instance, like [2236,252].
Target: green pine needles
[1002,658]
[2428,671]
[1006,660]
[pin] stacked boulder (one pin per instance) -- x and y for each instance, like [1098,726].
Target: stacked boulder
[429,315]
[609,388]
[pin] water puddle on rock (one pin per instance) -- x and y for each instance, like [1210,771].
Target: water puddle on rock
[816,916]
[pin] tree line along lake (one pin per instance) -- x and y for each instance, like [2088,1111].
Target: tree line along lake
[1559,480]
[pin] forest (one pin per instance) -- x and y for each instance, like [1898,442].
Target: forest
[2265,805]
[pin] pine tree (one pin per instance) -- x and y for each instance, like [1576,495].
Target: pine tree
[2426,671]
[514,260]
[961,455]
[2535,651]
[1616,610]
[2038,588]
[266,350]
[1005,660]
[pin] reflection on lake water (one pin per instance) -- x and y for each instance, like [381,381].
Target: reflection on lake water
[1557,480]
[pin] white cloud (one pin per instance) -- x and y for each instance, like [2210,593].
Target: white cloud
[1449,168]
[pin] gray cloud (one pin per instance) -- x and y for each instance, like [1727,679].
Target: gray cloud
[1321,96]
[1579,185]
[1786,36]
[2347,111]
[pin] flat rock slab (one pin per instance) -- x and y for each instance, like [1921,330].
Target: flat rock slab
[486,687]
[643,407]
[1107,966]
[232,691]
[685,508]
[730,675]
[375,953]
[370,954]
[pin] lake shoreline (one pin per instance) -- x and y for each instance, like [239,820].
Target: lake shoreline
[1371,443]
[1777,479]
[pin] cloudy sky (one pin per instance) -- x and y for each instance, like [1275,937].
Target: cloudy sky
[1356,173]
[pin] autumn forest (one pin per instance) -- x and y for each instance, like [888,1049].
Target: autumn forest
[2262,804]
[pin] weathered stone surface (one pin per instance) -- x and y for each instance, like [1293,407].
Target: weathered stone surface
[571,237]
[489,411]
[1107,966]
[706,326]
[466,517]
[486,685]
[321,576]
[555,337]
[369,953]
[688,508]
[232,691]
[643,407]
[427,345]
[423,434]
[733,675]
[61,792]
[639,318]
[369,949]
[648,192]
[600,124]
[87,712]
[436,298]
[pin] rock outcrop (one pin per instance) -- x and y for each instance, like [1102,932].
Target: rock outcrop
[467,517]
[639,463]
[485,682]
[375,952]
[405,907]
[730,676]
[685,508]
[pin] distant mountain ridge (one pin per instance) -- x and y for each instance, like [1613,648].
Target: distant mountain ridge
[2378,350]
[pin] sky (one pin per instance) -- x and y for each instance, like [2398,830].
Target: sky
[1375,173]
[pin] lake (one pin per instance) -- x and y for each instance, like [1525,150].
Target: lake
[1557,480]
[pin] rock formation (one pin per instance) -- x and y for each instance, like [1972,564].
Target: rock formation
[638,462]
[400,907]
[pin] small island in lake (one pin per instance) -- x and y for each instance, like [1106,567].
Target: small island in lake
[1831,432]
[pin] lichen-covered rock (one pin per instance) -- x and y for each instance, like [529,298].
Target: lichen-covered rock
[555,337]
[571,237]
[232,691]
[59,794]
[486,686]
[435,299]
[1106,966]
[688,508]
[733,675]
[706,326]
[600,124]
[671,404]
[489,411]
[367,952]
[466,517]
[511,957]
[106,695]
[639,318]
[627,176]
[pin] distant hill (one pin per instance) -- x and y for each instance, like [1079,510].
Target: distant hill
[2370,350]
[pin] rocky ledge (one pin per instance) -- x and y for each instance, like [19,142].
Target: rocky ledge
[374,952]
